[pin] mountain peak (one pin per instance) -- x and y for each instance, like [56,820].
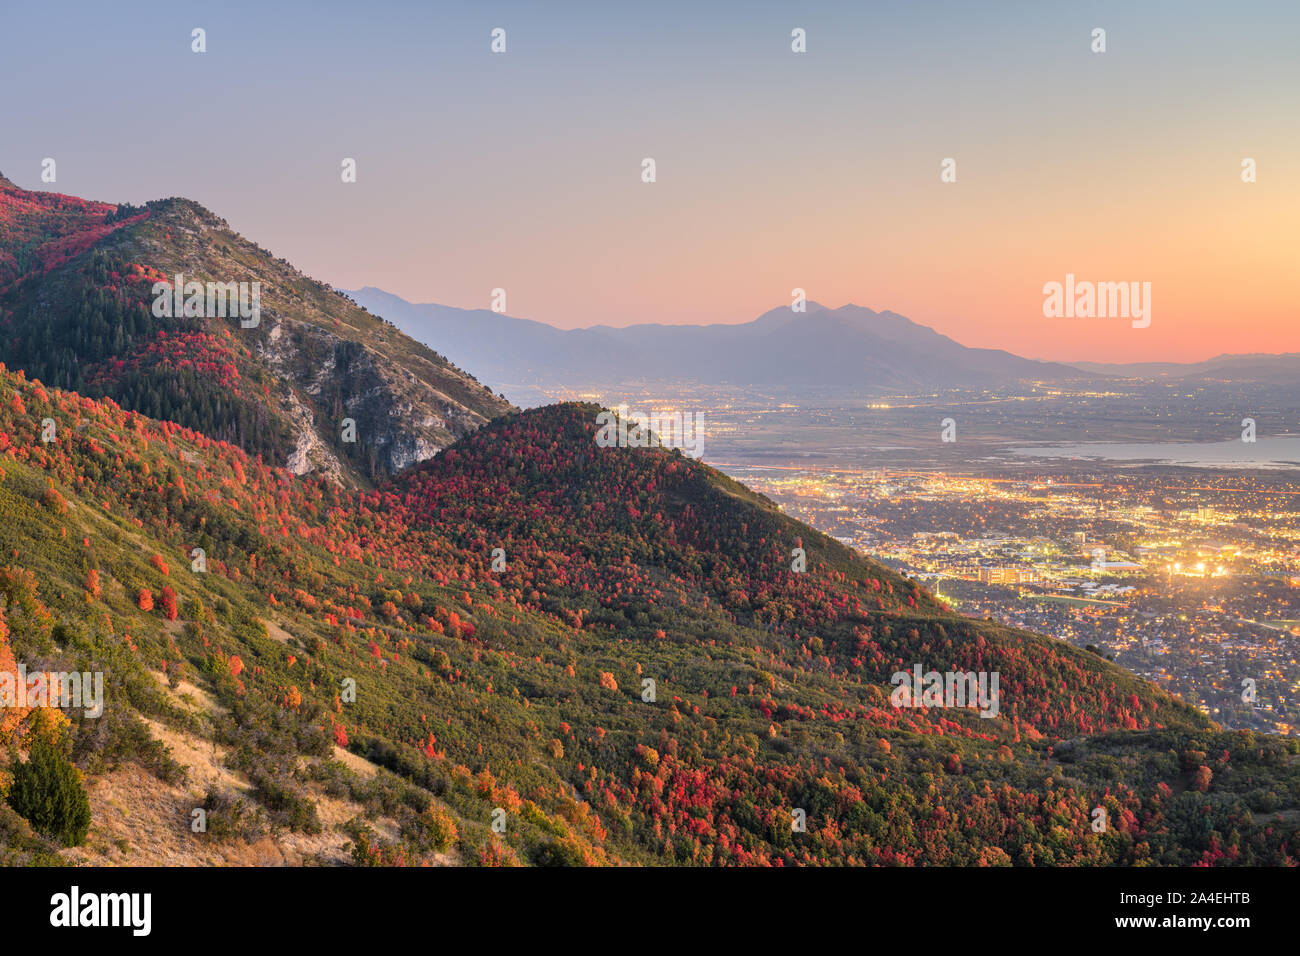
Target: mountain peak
[312,382]
[783,313]
[849,348]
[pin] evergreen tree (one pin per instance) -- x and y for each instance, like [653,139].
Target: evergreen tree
[47,791]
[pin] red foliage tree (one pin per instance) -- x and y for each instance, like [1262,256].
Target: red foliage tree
[169,603]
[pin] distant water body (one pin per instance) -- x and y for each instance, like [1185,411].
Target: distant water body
[1276,451]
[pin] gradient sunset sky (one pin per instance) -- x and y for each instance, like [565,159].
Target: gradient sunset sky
[776,170]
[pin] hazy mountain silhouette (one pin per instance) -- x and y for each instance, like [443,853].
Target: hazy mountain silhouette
[849,348]
[1283,369]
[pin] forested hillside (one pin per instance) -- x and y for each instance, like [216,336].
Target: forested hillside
[77,284]
[470,642]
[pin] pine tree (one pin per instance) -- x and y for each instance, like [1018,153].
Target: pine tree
[47,791]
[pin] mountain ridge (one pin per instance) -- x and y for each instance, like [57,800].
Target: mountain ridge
[76,290]
[847,348]
[1276,368]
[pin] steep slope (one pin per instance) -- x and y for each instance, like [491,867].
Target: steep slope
[689,537]
[849,349]
[524,688]
[38,231]
[76,310]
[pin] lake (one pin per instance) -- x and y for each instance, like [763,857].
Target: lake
[1273,451]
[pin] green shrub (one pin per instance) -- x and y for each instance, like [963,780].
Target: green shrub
[230,817]
[47,791]
[435,829]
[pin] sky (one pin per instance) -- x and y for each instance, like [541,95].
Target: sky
[775,170]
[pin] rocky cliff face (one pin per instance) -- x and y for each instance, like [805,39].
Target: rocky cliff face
[313,382]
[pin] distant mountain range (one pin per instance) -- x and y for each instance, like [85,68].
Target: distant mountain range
[848,348]
[1264,368]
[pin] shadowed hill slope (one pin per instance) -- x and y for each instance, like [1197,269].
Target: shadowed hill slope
[642,678]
